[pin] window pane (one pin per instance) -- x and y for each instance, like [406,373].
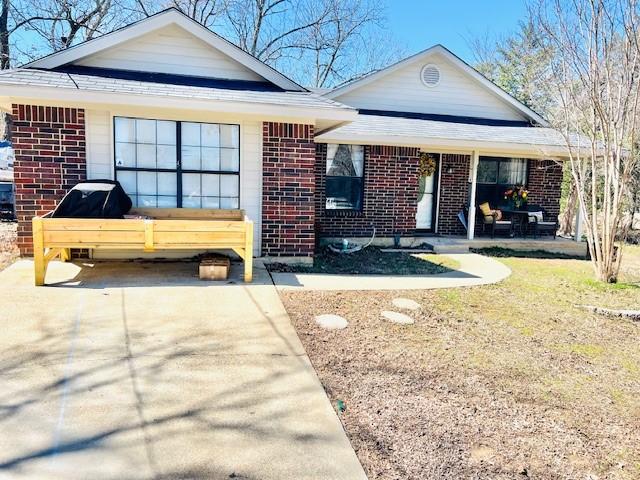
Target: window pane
[166,156]
[147,183]
[210,134]
[230,136]
[146,156]
[210,202]
[513,172]
[167,184]
[147,201]
[191,184]
[125,155]
[166,132]
[487,171]
[229,203]
[127,181]
[191,134]
[167,202]
[125,130]
[229,160]
[229,186]
[345,160]
[190,202]
[211,185]
[145,131]
[343,193]
[191,158]
[210,158]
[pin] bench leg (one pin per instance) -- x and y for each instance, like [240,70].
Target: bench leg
[248,252]
[65,254]
[39,262]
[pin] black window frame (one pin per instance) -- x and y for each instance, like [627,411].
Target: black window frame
[361,178]
[179,170]
[494,190]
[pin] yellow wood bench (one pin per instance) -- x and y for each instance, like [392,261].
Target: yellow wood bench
[166,229]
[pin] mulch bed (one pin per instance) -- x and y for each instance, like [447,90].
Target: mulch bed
[8,248]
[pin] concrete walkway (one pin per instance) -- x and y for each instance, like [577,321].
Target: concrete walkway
[474,270]
[142,371]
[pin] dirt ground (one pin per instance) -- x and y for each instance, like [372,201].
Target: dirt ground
[8,249]
[496,382]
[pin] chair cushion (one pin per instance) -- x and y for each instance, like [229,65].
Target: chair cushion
[533,216]
[487,219]
[547,224]
[503,222]
[485,209]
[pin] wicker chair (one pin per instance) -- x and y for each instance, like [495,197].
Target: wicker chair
[491,222]
[541,222]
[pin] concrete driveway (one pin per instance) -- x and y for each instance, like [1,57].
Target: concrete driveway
[136,371]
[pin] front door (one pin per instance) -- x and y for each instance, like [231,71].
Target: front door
[427,189]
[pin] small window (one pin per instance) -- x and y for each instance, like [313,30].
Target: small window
[344,183]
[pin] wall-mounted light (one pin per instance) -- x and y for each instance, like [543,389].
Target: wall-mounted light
[449,169]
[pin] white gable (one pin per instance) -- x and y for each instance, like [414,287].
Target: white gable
[168,42]
[173,50]
[458,90]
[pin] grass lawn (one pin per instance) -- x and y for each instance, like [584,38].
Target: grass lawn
[373,261]
[495,382]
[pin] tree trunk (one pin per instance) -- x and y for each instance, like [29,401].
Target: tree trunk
[567,219]
[5,59]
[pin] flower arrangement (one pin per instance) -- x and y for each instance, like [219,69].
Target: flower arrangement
[517,195]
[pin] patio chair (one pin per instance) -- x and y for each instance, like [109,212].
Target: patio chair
[541,222]
[492,219]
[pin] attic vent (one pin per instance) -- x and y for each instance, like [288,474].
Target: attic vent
[430,75]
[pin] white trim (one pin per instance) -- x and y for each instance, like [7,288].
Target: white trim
[456,61]
[505,148]
[155,22]
[471,218]
[54,96]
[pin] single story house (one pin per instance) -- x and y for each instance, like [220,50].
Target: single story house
[183,118]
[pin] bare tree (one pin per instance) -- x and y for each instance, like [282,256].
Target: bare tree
[596,71]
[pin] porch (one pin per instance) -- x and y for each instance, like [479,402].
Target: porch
[461,244]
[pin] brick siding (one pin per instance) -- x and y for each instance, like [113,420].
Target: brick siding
[288,189]
[544,185]
[390,193]
[49,146]
[454,192]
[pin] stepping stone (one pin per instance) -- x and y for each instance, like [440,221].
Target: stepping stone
[396,317]
[331,322]
[406,303]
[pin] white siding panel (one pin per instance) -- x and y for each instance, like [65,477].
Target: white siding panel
[171,50]
[456,94]
[98,133]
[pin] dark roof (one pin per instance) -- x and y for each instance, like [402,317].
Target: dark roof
[446,118]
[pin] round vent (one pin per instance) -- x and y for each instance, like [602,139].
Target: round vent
[430,75]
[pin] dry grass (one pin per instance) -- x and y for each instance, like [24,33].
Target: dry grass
[8,249]
[502,381]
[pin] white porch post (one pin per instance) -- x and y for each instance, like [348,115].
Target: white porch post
[471,220]
[578,226]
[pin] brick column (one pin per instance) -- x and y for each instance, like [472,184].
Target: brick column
[288,188]
[49,146]
[454,192]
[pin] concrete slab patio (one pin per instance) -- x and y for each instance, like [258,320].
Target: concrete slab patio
[474,270]
[136,371]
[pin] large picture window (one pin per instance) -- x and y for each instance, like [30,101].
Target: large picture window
[344,183]
[168,164]
[497,174]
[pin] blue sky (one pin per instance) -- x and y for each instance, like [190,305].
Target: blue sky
[419,24]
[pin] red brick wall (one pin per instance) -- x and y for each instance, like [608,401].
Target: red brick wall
[49,146]
[544,185]
[390,194]
[454,192]
[288,189]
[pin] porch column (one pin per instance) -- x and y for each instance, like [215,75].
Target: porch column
[578,226]
[471,220]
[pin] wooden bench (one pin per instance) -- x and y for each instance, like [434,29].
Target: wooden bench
[166,229]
